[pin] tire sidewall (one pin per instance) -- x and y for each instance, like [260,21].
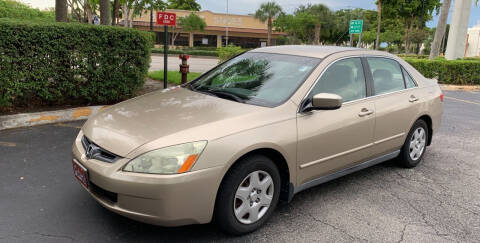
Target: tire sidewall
[224,213]
[407,160]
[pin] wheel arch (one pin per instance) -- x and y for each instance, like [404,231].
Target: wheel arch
[427,119]
[286,190]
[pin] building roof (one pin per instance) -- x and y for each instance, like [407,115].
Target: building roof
[305,50]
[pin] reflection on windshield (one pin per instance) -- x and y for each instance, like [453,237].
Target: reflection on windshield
[257,78]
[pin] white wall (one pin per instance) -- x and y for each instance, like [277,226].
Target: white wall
[473,49]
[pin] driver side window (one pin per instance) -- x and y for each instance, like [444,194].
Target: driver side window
[344,78]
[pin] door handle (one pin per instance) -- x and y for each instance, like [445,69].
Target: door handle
[413,99]
[365,112]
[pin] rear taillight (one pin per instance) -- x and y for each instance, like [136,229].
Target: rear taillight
[441,97]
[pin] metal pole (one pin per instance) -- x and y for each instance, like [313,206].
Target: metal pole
[359,40]
[351,40]
[165,57]
[226,36]
[151,18]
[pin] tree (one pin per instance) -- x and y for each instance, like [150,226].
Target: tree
[115,11]
[379,23]
[323,16]
[190,23]
[440,31]
[267,12]
[184,4]
[105,12]
[61,10]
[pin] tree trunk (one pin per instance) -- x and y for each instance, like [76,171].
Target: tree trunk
[441,28]
[116,9]
[105,12]
[379,24]
[126,12]
[61,10]
[88,10]
[269,37]
[318,28]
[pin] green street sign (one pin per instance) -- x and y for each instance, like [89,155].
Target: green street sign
[356,26]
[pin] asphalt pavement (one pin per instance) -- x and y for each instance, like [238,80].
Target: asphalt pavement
[439,201]
[197,64]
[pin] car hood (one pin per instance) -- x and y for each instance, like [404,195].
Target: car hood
[178,114]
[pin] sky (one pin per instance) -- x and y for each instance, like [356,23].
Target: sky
[249,6]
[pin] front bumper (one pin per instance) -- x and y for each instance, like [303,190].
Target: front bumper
[165,200]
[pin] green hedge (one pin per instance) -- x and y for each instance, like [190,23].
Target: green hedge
[228,52]
[459,72]
[187,51]
[66,63]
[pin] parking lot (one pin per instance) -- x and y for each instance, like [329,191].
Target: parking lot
[439,201]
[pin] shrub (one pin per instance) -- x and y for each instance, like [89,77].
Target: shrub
[225,53]
[60,63]
[459,72]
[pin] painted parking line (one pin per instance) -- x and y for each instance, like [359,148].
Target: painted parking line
[7,144]
[466,101]
[68,125]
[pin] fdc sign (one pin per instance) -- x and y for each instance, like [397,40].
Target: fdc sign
[164,18]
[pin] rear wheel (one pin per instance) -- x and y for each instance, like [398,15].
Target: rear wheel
[415,145]
[248,195]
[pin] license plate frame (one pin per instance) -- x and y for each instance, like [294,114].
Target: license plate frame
[80,173]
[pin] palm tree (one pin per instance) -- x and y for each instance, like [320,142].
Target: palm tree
[379,23]
[61,10]
[441,27]
[323,16]
[267,12]
[105,12]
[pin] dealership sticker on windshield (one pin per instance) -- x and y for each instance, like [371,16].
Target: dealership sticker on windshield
[80,173]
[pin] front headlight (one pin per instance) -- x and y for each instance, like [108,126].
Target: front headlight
[169,160]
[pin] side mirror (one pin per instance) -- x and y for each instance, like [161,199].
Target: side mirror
[325,101]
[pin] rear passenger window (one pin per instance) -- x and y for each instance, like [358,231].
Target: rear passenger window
[408,79]
[344,78]
[387,75]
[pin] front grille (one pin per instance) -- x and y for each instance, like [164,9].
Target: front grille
[93,151]
[100,192]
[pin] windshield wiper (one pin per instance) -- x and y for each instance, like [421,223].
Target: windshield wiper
[221,94]
[227,95]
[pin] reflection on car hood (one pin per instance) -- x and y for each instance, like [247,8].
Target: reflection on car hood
[178,111]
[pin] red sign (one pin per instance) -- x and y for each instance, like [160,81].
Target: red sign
[164,18]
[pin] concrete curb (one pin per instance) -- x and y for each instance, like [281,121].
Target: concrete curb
[449,87]
[47,117]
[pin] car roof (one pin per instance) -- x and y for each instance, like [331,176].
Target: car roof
[307,50]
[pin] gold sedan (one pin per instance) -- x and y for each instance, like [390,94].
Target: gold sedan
[254,130]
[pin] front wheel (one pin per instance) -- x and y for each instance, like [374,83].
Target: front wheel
[248,195]
[415,145]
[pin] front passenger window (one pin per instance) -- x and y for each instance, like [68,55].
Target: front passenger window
[344,78]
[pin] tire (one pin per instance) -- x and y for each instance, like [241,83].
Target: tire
[239,195]
[415,145]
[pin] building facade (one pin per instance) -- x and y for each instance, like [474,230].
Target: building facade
[473,42]
[243,30]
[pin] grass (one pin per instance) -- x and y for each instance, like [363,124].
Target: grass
[174,77]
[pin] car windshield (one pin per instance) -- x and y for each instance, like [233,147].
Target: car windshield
[263,79]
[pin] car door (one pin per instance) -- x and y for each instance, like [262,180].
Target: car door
[330,140]
[396,101]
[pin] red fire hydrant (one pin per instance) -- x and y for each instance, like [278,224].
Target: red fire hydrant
[184,67]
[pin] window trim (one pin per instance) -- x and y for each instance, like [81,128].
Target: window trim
[367,88]
[405,72]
